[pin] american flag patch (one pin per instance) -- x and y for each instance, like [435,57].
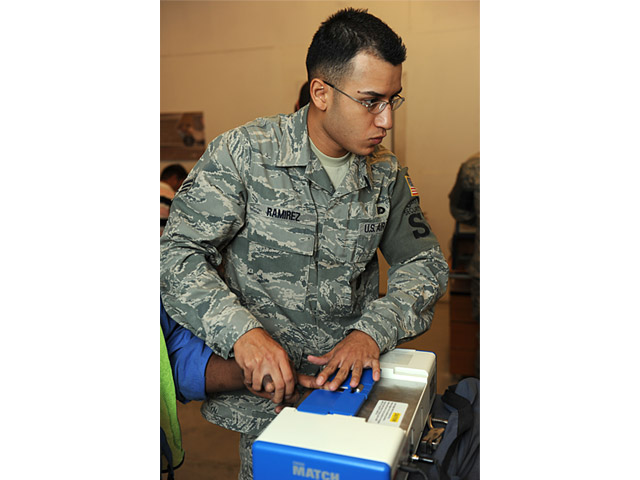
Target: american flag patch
[414,190]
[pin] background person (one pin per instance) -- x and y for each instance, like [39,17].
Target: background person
[189,370]
[171,179]
[464,204]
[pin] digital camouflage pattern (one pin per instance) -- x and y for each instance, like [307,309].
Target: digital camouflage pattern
[299,256]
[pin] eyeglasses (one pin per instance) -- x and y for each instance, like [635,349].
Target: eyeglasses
[374,107]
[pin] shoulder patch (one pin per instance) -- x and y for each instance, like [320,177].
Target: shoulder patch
[414,190]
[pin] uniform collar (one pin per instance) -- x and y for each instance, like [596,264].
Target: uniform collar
[295,151]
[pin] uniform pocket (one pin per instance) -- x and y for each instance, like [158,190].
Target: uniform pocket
[280,252]
[369,235]
[284,229]
[367,227]
[351,233]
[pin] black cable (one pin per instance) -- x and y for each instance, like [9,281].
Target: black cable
[409,469]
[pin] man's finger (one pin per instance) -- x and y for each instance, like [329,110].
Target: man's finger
[325,374]
[340,377]
[322,360]
[279,392]
[356,374]
[288,401]
[307,381]
[289,379]
[256,380]
[267,384]
[375,367]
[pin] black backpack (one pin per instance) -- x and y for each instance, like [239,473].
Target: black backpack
[451,450]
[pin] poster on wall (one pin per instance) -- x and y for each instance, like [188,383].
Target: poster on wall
[181,136]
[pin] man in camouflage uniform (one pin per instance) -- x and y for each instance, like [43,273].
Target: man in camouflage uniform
[464,204]
[295,207]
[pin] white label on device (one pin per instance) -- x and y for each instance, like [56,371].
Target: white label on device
[388,413]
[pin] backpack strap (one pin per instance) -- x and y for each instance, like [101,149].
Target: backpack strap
[465,422]
[462,405]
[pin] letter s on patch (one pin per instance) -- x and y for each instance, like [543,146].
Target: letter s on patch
[421,228]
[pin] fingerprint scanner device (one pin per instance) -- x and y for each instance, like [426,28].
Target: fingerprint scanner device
[353,433]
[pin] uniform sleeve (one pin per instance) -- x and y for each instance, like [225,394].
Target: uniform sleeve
[206,214]
[417,276]
[188,356]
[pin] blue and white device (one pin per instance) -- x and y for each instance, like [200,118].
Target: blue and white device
[352,434]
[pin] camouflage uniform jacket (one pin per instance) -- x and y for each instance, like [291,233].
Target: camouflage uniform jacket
[299,256]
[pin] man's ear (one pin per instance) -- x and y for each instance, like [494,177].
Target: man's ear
[318,94]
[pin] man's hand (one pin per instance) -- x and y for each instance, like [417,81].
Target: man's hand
[287,402]
[261,357]
[306,381]
[356,352]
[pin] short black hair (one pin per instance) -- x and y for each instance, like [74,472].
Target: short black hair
[345,34]
[175,169]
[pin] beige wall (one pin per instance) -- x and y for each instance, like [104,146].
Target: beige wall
[237,60]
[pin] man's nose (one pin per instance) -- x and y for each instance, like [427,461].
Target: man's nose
[384,119]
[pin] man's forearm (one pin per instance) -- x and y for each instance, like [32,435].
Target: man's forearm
[223,375]
[406,310]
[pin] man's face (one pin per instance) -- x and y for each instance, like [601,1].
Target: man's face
[349,126]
